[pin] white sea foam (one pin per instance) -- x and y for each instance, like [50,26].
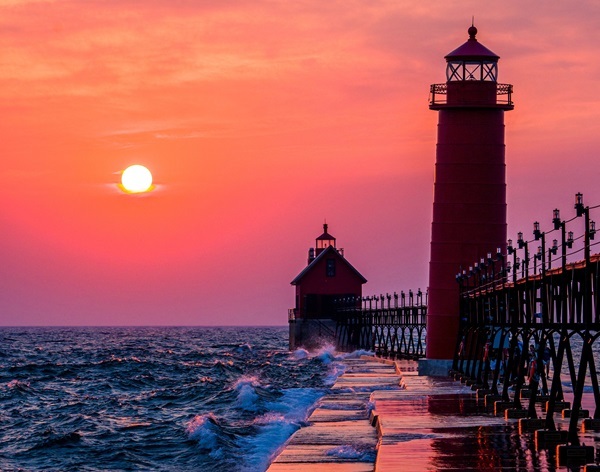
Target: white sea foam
[335,370]
[300,354]
[355,354]
[285,416]
[247,398]
[345,452]
[243,348]
[326,354]
[202,428]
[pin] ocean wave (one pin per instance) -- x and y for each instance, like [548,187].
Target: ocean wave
[284,417]
[153,398]
[204,429]
[243,349]
[300,354]
[326,354]
[247,394]
[20,388]
[53,439]
[355,354]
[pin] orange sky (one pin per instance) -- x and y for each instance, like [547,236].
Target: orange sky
[258,120]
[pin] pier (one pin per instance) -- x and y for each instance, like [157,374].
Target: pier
[522,391]
[382,416]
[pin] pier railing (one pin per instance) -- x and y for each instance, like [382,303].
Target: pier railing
[530,319]
[391,325]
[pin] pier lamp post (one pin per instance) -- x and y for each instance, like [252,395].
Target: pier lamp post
[537,257]
[552,252]
[484,271]
[515,267]
[502,260]
[566,242]
[537,234]
[465,278]
[476,277]
[524,245]
[492,265]
[541,235]
[590,226]
[590,231]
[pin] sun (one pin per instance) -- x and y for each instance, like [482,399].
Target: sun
[136,179]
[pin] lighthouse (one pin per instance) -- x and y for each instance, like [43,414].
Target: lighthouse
[469,203]
[327,279]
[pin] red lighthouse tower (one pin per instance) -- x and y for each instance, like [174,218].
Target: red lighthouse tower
[469,207]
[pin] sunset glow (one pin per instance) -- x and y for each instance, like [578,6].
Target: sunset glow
[262,119]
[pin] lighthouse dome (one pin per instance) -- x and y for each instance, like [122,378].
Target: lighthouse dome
[472,50]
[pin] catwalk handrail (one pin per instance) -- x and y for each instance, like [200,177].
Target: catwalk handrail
[522,314]
[391,325]
[438,94]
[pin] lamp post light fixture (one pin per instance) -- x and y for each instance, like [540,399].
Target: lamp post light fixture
[520,241]
[522,244]
[579,208]
[556,218]
[570,240]
[536,231]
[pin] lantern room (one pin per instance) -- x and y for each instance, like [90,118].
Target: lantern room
[324,241]
[472,61]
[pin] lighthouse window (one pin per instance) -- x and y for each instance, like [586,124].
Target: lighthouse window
[330,268]
[466,70]
[490,71]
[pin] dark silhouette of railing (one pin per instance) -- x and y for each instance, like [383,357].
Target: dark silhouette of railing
[390,325]
[530,320]
[438,94]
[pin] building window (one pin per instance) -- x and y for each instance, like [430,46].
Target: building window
[330,269]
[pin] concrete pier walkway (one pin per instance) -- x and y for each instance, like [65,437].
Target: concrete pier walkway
[382,416]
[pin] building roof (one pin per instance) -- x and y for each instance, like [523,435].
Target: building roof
[472,50]
[329,251]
